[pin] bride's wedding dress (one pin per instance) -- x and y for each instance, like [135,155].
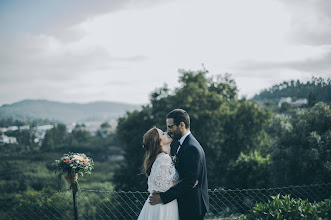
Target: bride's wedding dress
[162,177]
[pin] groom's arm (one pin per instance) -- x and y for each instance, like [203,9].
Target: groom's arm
[191,165]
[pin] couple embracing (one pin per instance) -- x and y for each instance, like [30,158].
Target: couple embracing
[178,188]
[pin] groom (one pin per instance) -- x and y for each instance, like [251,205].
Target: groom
[191,165]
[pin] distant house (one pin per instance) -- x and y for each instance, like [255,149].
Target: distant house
[297,103]
[44,127]
[41,131]
[7,140]
[300,102]
[12,128]
[4,139]
[12,140]
[24,127]
[3,130]
[284,100]
[71,126]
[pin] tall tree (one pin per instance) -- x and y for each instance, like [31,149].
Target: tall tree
[311,98]
[301,152]
[224,125]
[130,131]
[55,137]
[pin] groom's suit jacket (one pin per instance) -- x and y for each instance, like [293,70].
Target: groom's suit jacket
[191,165]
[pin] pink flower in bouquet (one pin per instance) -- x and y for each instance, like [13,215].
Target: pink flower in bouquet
[78,158]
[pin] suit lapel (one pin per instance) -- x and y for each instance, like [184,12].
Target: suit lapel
[184,144]
[180,155]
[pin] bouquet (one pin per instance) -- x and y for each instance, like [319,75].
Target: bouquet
[72,165]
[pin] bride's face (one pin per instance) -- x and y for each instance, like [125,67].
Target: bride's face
[165,138]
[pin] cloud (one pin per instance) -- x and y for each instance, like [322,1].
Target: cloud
[47,59]
[117,83]
[123,49]
[45,52]
[57,18]
[313,65]
[310,21]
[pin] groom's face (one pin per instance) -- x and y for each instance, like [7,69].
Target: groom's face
[173,130]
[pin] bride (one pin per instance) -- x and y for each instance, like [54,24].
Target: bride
[161,173]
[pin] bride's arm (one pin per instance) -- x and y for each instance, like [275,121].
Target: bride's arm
[176,182]
[163,174]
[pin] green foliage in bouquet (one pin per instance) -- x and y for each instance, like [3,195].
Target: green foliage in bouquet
[289,208]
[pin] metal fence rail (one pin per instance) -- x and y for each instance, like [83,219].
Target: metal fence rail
[95,204]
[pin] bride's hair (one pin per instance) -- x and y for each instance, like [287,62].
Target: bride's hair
[152,145]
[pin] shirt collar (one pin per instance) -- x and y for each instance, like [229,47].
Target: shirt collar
[181,140]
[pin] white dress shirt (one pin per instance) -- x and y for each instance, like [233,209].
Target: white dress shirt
[181,140]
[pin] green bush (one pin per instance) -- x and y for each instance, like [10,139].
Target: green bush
[250,170]
[289,208]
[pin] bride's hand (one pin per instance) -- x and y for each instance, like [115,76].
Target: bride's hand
[175,183]
[155,198]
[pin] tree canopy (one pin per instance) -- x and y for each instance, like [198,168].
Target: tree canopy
[301,152]
[223,124]
[315,90]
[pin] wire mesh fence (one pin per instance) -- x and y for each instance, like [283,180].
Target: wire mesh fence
[95,204]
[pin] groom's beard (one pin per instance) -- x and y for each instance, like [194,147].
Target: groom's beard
[176,135]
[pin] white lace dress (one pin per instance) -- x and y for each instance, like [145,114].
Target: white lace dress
[162,177]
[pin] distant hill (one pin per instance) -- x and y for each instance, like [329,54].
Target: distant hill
[65,112]
[318,89]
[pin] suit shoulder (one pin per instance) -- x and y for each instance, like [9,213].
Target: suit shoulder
[196,144]
[193,141]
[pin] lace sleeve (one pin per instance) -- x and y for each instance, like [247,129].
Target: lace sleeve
[163,174]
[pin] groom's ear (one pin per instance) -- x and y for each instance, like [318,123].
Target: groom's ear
[182,125]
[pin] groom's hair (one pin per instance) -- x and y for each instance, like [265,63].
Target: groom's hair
[180,115]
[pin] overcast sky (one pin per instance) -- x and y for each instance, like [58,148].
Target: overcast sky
[121,50]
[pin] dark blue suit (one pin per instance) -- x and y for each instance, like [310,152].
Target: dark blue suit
[190,162]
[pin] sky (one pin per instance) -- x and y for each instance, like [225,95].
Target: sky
[122,50]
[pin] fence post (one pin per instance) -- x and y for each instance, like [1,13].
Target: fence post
[74,187]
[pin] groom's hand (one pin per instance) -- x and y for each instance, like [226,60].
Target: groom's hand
[155,198]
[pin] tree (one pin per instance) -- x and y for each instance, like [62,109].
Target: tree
[224,125]
[285,107]
[301,151]
[26,138]
[250,171]
[55,137]
[130,131]
[105,125]
[316,90]
[104,130]
[311,98]
[80,135]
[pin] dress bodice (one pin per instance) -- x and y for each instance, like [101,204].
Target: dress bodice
[163,174]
